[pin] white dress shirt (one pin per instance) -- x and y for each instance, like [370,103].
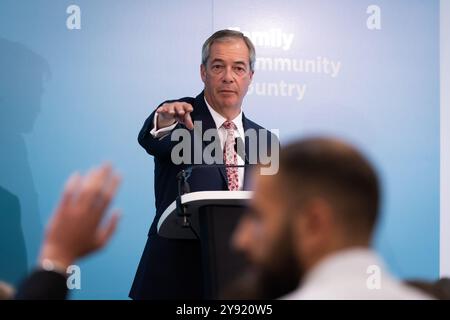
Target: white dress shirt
[222,133]
[346,275]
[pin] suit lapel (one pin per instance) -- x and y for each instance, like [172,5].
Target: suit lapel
[248,170]
[246,126]
[201,113]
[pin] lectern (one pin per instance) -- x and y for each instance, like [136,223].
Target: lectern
[212,217]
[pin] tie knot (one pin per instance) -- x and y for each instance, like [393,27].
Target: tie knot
[229,125]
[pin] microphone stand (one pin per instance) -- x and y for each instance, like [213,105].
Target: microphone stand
[183,176]
[183,186]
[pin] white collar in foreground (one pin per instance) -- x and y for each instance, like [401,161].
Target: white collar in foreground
[347,274]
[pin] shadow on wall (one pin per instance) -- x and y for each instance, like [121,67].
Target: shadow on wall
[22,73]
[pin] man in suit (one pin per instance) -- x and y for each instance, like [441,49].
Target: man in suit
[171,269]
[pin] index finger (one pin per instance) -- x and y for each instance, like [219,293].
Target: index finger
[187,107]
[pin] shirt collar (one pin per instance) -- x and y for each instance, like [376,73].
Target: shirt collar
[219,119]
[347,263]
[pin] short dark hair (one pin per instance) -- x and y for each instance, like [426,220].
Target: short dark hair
[336,171]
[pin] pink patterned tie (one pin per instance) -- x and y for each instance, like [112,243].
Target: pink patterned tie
[230,156]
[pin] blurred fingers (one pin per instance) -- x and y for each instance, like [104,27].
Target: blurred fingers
[106,232]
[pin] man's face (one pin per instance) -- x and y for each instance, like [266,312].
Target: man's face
[227,73]
[264,236]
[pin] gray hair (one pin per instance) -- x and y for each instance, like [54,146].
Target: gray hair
[225,35]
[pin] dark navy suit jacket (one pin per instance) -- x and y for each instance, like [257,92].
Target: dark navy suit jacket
[171,269]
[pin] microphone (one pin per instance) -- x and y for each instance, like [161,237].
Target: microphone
[183,176]
[183,187]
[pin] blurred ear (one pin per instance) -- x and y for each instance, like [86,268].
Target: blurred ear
[321,215]
[203,72]
[313,224]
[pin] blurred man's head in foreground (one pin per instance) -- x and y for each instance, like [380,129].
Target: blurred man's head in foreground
[325,198]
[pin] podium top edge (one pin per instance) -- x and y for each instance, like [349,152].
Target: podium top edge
[215,195]
[193,197]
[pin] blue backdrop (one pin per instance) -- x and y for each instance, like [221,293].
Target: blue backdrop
[72,98]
